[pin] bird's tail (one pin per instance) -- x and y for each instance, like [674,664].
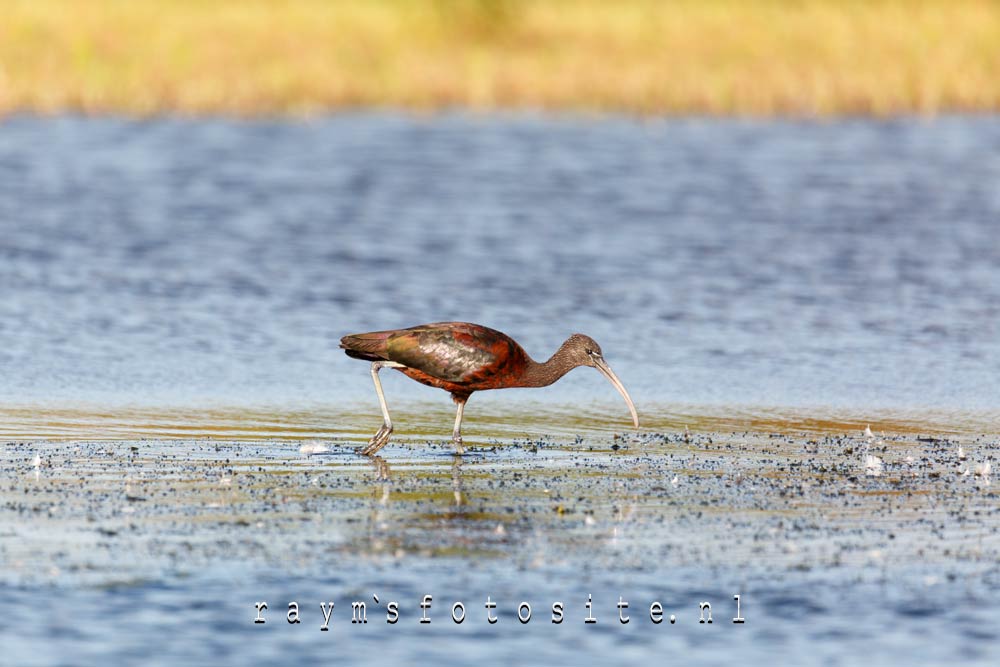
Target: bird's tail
[370,346]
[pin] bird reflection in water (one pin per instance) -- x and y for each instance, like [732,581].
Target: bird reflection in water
[383,475]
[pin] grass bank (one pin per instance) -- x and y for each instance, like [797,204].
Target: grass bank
[811,57]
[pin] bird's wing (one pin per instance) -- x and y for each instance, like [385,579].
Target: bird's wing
[451,351]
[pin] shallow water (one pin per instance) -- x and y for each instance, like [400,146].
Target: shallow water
[172,293]
[158,551]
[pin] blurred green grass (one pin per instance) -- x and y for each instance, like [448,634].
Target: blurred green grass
[269,57]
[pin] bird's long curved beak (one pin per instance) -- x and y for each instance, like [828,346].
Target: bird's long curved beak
[606,371]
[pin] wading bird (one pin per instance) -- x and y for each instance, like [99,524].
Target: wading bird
[463,358]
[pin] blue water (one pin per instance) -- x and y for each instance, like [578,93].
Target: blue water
[210,621]
[744,266]
[718,262]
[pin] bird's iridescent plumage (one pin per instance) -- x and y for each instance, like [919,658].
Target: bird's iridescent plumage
[463,358]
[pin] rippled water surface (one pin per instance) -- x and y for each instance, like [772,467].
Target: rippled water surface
[852,264]
[177,424]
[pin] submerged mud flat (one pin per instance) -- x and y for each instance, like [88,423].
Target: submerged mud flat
[827,538]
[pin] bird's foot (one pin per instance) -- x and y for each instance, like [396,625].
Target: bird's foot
[457,441]
[378,440]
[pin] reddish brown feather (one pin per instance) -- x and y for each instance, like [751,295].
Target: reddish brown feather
[456,356]
[369,346]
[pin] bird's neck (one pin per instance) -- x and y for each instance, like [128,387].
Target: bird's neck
[543,374]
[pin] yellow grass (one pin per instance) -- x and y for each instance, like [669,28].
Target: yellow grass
[811,57]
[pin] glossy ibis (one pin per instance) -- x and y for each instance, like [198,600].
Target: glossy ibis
[463,358]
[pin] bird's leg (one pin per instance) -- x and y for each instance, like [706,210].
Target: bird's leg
[381,436]
[456,435]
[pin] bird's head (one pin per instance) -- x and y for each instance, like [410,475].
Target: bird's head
[583,350]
